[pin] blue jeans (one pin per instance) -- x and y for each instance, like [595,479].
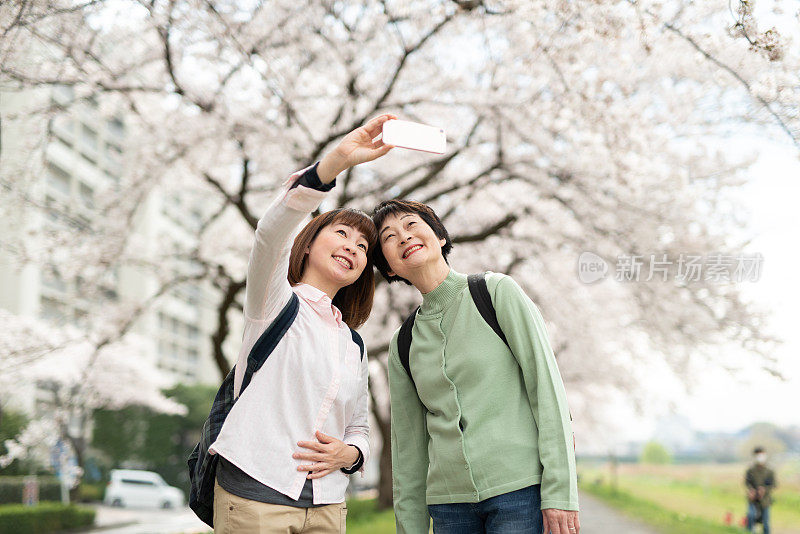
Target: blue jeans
[516,512]
[751,517]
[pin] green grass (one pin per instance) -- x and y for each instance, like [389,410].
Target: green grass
[706,492]
[364,518]
[43,518]
[664,520]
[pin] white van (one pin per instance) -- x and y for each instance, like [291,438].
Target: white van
[131,487]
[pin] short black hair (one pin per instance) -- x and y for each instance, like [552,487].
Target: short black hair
[386,209]
[758,449]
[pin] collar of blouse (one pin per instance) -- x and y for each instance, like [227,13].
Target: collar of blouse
[321,302]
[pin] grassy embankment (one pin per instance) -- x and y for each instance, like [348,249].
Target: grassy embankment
[688,499]
[675,499]
[362,518]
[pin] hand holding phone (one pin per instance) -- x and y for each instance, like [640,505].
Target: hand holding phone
[359,146]
[414,136]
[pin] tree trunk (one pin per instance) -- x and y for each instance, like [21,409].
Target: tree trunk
[79,446]
[385,475]
[385,480]
[223,328]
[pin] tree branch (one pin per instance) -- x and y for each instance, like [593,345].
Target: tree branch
[315,153]
[674,29]
[223,327]
[237,201]
[508,220]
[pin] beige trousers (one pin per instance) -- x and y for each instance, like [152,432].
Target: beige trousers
[237,515]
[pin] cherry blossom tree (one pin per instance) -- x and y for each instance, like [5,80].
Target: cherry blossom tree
[572,127]
[79,377]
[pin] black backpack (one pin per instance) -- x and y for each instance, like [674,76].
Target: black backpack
[202,465]
[483,301]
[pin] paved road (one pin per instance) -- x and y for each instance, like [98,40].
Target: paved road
[598,518]
[138,521]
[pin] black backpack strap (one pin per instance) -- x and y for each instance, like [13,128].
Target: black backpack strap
[483,301]
[269,339]
[358,341]
[404,342]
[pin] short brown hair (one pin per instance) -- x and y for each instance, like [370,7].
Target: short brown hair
[355,300]
[388,208]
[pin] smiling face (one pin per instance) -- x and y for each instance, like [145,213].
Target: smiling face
[330,253]
[337,255]
[408,243]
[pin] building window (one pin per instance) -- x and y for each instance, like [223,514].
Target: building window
[116,127]
[81,318]
[63,130]
[55,210]
[58,179]
[113,154]
[89,138]
[87,195]
[190,293]
[63,93]
[52,310]
[64,140]
[178,344]
[52,280]
[196,217]
[81,223]
[113,176]
[110,293]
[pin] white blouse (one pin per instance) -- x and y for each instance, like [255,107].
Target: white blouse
[315,379]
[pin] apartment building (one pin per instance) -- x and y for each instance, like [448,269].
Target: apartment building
[75,154]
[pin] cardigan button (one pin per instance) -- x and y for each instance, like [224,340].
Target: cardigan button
[452,387]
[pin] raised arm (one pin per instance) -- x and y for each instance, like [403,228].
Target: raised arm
[267,288]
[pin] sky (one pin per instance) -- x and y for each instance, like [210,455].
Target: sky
[772,196]
[720,400]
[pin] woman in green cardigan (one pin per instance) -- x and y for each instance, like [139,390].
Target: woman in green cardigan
[481,432]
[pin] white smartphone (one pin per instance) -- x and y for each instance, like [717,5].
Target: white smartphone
[415,136]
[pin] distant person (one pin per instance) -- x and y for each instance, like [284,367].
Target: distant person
[760,480]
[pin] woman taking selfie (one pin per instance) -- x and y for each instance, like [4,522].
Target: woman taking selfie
[481,434]
[300,426]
